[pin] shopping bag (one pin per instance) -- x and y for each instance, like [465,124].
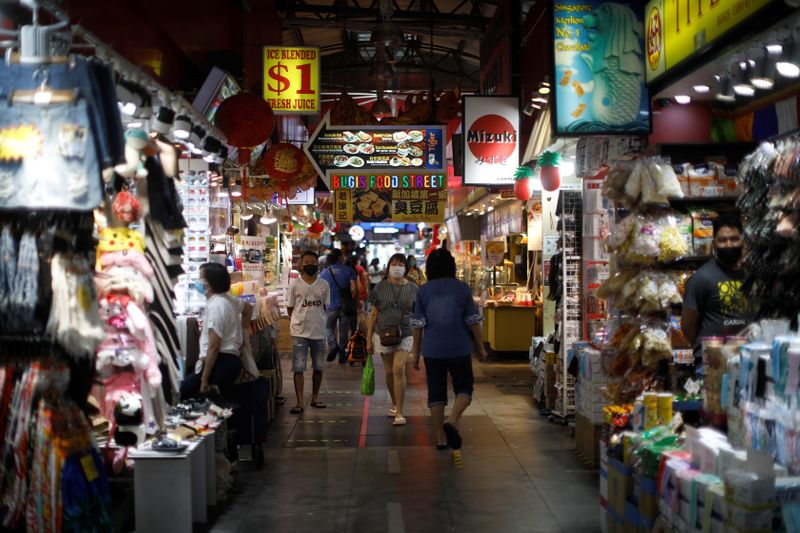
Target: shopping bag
[368,378]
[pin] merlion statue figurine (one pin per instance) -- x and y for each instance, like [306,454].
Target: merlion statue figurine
[617,63]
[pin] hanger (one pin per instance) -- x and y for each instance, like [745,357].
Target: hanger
[44,94]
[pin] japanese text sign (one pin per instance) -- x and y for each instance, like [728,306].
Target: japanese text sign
[491,139]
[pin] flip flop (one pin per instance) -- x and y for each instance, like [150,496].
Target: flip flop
[318,405]
[296,410]
[453,437]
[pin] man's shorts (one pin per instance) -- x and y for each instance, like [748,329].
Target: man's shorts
[300,349]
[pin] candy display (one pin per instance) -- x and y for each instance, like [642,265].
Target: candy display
[648,181]
[647,238]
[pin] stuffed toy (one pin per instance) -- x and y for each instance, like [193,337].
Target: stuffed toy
[129,420]
[126,207]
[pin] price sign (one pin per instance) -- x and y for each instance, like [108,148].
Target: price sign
[291,79]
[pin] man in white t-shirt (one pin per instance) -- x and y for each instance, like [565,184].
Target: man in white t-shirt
[309,295]
[225,327]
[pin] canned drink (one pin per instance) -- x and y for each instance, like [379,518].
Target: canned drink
[650,410]
[638,415]
[665,408]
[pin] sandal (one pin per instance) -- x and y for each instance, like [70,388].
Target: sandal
[318,405]
[453,437]
[400,420]
[296,410]
[441,447]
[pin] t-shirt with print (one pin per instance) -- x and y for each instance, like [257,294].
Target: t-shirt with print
[343,276]
[309,301]
[395,303]
[224,316]
[446,311]
[715,292]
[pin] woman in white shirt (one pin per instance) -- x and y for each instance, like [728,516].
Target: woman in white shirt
[375,273]
[225,330]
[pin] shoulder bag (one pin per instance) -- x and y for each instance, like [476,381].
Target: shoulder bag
[391,335]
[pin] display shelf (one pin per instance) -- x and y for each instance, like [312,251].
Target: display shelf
[702,200]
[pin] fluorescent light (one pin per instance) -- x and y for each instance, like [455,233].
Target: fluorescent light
[788,65]
[544,89]
[236,191]
[490,208]
[682,99]
[268,220]
[701,89]
[385,229]
[774,49]
[132,125]
[787,69]
[539,99]
[128,108]
[246,216]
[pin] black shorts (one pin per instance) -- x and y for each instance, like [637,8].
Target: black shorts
[436,370]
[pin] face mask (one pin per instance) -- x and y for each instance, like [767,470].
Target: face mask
[397,271]
[729,256]
[200,287]
[310,270]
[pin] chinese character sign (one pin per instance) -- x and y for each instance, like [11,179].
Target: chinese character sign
[389,198]
[491,140]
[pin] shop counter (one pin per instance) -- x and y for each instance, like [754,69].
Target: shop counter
[510,328]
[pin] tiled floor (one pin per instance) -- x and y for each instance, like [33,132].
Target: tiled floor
[327,471]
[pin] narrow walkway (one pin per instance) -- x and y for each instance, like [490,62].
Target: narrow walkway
[347,469]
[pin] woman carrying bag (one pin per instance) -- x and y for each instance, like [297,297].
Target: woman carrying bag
[389,330]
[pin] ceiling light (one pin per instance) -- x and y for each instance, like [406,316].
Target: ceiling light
[162,123]
[701,89]
[682,99]
[741,84]
[762,76]
[726,93]
[490,208]
[132,125]
[182,128]
[774,49]
[744,89]
[380,108]
[268,220]
[128,108]
[236,191]
[385,230]
[544,88]
[246,214]
[539,99]
[788,64]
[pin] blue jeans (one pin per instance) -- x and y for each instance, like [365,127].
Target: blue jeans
[300,348]
[342,324]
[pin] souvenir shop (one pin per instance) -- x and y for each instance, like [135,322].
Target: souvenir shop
[687,436]
[114,192]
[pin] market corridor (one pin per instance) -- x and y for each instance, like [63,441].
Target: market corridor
[347,469]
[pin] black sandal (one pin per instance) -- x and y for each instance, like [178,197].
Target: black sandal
[453,437]
[296,410]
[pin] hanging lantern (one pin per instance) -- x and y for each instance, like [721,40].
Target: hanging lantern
[523,186]
[549,172]
[247,121]
[316,227]
[284,162]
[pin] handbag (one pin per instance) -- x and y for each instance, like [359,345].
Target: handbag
[349,307]
[368,378]
[390,336]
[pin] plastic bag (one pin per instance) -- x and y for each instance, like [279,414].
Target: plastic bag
[368,378]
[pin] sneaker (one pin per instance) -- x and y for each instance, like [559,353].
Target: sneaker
[333,353]
[399,420]
[392,412]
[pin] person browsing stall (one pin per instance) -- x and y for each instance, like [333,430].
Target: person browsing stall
[343,310]
[713,303]
[308,297]
[447,329]
[225,328]
[389,330]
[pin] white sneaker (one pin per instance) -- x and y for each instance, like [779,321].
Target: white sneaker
[392,412]
[399,420]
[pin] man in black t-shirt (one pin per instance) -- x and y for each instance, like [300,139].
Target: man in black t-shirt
[713,304]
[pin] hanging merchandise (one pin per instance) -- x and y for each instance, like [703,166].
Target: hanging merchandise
[648,181]
[549,172]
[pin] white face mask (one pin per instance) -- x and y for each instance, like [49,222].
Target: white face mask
[397,271]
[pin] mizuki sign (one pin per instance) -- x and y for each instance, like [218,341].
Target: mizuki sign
[491,139]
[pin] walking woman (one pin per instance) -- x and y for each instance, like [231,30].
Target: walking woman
[389,330]
[414,273]
[446,329]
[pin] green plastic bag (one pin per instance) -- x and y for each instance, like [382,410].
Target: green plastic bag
[368,378]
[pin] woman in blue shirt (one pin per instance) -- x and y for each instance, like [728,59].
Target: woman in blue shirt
[446,328]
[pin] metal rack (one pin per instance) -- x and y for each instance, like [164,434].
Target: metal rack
[570,329]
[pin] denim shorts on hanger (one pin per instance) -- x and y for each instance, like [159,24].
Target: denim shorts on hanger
[48,158]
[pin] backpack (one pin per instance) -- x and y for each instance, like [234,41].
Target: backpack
[357,347]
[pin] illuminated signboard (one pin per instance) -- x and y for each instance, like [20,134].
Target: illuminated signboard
[491,140]
[389,197]
[291,79]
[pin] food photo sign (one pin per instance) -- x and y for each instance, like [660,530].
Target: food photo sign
[599,76]
[401,197]
[376,149]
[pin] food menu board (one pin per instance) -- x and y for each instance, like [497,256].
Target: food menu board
[413,148]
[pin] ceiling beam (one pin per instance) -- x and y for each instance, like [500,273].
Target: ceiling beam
[419,27]
[461,19]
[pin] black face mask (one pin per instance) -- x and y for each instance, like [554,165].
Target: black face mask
[729,256]
[310,270]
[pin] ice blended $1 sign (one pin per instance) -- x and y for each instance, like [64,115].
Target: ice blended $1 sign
[291,79]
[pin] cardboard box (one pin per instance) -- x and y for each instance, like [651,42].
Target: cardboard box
[587,439]
[620,486]
[284,340]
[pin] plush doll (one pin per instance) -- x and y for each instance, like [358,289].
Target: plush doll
[126,207]
[129,420]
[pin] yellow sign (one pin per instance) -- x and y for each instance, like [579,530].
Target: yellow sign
[676,29]
[389,205]
[291,79]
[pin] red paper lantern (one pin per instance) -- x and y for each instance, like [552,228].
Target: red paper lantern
[284,162]
[549,172]
[523,190]
[246,119]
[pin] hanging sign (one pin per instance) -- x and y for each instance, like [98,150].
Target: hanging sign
[599,77]
[291,79]
[491,140]
[389,197]
[376,149]
[678,29]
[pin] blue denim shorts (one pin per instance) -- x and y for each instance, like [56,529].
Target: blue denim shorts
[300,349]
